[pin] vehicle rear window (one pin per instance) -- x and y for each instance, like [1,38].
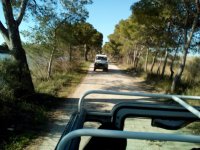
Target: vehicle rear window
[101,58]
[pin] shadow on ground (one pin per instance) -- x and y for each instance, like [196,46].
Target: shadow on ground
[26,117]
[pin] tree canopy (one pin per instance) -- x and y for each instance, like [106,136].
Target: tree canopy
[43,12]
[163,28]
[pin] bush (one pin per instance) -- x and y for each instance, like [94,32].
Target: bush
[192,71]
[9,78]
[192,79]
[16,114]
[60,78]
[27,114]
[66,66]
[160,84]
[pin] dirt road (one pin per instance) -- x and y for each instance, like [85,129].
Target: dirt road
[115,80]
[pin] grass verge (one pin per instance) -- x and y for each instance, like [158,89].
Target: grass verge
[187,87]
[26,118]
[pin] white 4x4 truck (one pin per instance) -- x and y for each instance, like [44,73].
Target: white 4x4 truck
[101,62]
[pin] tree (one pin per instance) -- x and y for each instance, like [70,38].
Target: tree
[11,33]
[183,17]
[86,35]
[113,49]
[192,12]
[174,58]
[66,37]
[11,36]
[96,41]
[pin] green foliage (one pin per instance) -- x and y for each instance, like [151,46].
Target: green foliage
[191,77]
[53,86]
[16,118]
[192,71]
[194,127]
[193,90]
[190,84]
[18,142]
[20,114]
[24,116]
[56,83]
[15,113]
[156,25]
[158,83]
[8,78]
[85,33]
[45,10]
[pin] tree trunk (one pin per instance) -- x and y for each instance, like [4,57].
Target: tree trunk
[18,52]
[135,58]
[12,38]
[159,65]
[172,64]
[177,77]
[50,63]
[128,57]
[187,42]
[86,49]
[146,60]
[24,76]
[171,70]
[52,54]
[165,62]
[153,62]
[131,58]
[70,53]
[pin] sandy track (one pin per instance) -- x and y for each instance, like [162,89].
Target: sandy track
[115,80]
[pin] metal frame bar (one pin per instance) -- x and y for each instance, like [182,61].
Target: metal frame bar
[176,98]
[134,135]
[187,106]
[127,135]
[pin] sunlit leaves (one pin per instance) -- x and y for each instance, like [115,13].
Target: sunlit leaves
[85,33]
[76,9]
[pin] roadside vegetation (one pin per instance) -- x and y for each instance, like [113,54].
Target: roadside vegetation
[37,75]
[160,42]
[160,39]
[25,118]
[190,80]
[40,72]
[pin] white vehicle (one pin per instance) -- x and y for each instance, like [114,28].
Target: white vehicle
[101,62]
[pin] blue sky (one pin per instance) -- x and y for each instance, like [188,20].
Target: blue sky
[103,15]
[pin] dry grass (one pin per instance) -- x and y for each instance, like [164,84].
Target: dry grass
[22,115]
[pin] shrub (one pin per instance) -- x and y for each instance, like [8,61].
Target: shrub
[9,81]
[192,71]
[16,114]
